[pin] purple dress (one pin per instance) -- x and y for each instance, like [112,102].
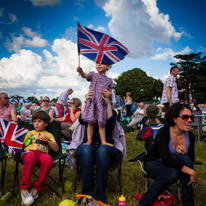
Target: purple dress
[95,111]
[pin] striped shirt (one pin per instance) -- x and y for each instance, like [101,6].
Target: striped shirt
[170,82]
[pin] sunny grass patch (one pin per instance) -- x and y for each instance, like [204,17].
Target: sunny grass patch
[132,179]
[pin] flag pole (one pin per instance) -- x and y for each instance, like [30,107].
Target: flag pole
[78,60]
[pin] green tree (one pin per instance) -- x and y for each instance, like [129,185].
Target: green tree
[192,76]
[141,86]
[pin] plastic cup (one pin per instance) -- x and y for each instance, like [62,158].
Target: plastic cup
[68,186]
[155,129]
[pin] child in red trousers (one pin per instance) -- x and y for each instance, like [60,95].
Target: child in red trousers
[37,142]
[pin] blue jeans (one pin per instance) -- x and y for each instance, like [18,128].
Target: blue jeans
[166,176]
[101,156]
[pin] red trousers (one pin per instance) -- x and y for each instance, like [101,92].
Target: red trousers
[60,110]
[30,160]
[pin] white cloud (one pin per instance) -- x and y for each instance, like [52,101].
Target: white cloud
[29,39]
[98,28]
[43,3]
[112,75]
[29,32]
[20,70]
[79,3]
[7,17]
[169,53]
[50,77]
[36,42]
[137,23]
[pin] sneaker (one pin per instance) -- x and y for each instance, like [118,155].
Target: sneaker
[27,199]
[33,195]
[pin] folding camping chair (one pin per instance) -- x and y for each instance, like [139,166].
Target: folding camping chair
[149,143]
[58,157]
[3,159]
[198,123]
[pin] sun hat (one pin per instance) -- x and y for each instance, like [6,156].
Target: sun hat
[152,114]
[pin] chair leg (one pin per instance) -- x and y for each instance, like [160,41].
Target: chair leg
[77,174]
[119,175]
[61,170]
[178,190]
[146,183]
[16,177]
[3,171]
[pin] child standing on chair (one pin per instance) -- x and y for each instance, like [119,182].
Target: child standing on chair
[95,110]
[37,142]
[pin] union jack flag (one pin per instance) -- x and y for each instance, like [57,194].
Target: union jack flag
[99,47]
[12,137]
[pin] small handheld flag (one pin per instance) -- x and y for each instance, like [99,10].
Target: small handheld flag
[99,47]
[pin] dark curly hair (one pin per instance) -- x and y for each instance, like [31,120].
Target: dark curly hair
[174,111]
[41,115]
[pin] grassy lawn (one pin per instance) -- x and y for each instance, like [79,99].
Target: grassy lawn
[132,179]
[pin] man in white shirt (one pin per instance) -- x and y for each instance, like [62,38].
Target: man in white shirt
[138,115]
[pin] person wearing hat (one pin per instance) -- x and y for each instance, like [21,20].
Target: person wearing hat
[170,91]
[7,110]
[152,115]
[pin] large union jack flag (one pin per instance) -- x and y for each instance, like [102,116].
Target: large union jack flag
[99,47]
[12,137]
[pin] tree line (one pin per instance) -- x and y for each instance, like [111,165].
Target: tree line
[191,80]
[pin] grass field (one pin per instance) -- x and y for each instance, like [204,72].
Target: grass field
[132,179]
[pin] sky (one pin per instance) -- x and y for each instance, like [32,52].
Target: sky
[38,49]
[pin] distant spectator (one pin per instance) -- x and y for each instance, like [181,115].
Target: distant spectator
[70,117]
[26,112]
[7,110]
[46,107]
[194,108]
[118,106]
[34,107]
[17,108]
[134,107]
[138,115]
[170,91]
[128,103]
[62,104]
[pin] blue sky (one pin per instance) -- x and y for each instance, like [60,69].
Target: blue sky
[38,51]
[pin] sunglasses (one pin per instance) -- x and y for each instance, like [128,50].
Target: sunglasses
[45,100]
[5,97]
[71,102]
[186,117]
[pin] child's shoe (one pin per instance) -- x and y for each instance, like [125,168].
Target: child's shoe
[27,199]
[33,195]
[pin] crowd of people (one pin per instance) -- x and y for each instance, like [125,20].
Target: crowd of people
[97,136]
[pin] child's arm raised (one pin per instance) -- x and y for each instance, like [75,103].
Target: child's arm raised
[82,73]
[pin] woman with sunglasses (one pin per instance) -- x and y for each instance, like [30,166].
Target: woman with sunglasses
[70,117]
[172,156]
[46,107]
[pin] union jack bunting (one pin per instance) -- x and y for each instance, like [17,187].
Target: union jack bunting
[12,137]
[99,47]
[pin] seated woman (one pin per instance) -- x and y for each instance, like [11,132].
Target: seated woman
[26,112]
[46,107]
[103,156]
[70,117]
[172,156]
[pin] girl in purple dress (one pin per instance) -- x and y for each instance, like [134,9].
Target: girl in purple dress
[95,110]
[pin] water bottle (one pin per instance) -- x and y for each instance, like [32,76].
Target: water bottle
[122,201]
